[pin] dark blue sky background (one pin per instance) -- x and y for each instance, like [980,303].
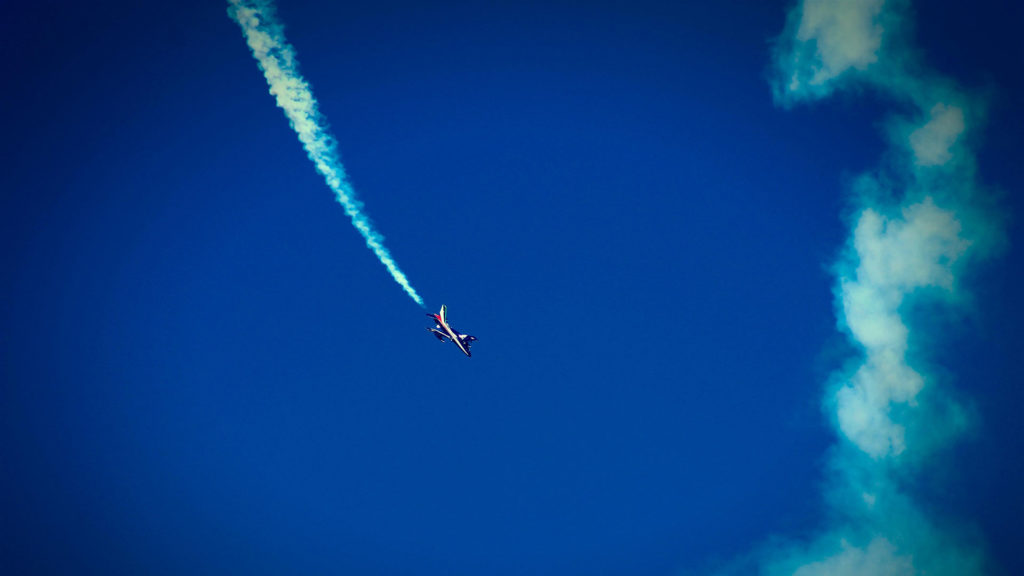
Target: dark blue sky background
[204,370]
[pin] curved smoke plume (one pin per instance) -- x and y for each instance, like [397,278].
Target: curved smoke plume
[276,58]
[916,225]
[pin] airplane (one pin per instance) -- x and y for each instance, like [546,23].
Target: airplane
[443,331]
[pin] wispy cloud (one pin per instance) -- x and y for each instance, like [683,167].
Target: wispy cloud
[916,225]
[276,59]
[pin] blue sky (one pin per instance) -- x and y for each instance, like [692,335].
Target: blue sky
[205,370]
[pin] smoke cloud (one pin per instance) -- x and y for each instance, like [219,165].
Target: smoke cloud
[916,225]
[276,59]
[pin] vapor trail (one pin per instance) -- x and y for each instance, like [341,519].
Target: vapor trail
[276,58]
[918,223]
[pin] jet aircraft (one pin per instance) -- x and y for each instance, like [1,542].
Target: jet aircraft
[442,331]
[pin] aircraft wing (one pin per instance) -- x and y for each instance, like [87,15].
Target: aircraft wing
[438,334]
[466,341]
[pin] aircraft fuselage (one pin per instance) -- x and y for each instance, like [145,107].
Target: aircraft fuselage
[443,329]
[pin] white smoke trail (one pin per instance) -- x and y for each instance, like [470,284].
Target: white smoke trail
[916,225]
[276,58]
